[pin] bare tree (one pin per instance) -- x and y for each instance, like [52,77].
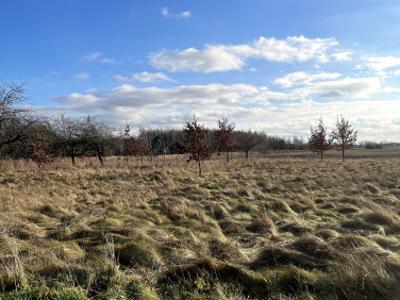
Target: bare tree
[344,135]
[224,136]
[195,142]
[95,135]
[69,134]
[14,120]
[247,141]
[148,142]
[318,140]
[157,142]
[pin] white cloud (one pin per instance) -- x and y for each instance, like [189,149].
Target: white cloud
[99,57]
[215,58]
[82,76]
[295,48]
[304,78]
[211,59]
[182,15]
[78,99]
[348,87]
[396,73]
[374,119]
[121,78]
[151,77]
[109,61]
[304,85]
[146,77]
[391,90]
[94,56]
[186,14]
[246,105]
[380,63]
[164,11]
[342,56]
[189,96]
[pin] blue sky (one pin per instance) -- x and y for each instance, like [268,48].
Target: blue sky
[275,66]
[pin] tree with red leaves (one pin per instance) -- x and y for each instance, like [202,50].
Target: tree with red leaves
[195,142]
[39,152]
[133,146]
[225,138]
[318,140]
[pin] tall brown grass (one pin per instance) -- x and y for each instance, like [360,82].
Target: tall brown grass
[270,227]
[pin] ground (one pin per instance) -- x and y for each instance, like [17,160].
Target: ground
[279,226]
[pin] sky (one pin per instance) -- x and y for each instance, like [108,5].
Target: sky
[274,66]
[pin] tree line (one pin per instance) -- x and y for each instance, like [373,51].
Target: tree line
[26,135]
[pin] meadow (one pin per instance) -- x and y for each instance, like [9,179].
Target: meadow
[274,226]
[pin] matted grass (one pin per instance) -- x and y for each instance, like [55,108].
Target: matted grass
[271,227]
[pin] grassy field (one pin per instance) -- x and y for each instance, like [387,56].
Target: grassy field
[276,226]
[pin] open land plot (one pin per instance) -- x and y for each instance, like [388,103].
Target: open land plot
[271,227]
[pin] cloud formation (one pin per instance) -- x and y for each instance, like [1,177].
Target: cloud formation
[99,57]
[82,76]
[288,107]
[304,78]
[146,77]
[307,85]
[182,15]
[217,58]
[379,63]
[185,95]
[154,107]
[349,87]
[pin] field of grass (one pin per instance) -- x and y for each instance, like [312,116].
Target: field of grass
[271,227]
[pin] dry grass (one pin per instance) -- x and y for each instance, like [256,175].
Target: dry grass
[272,227]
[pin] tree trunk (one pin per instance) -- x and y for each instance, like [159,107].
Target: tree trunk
[343,153]
[73,158]
[199,165]
[227,157]
[322,155]
[247,154]
[100,158]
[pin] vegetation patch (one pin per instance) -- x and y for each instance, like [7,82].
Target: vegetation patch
[268,228]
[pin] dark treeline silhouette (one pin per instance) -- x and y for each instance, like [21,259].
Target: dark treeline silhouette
[76,137]
[381,145]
